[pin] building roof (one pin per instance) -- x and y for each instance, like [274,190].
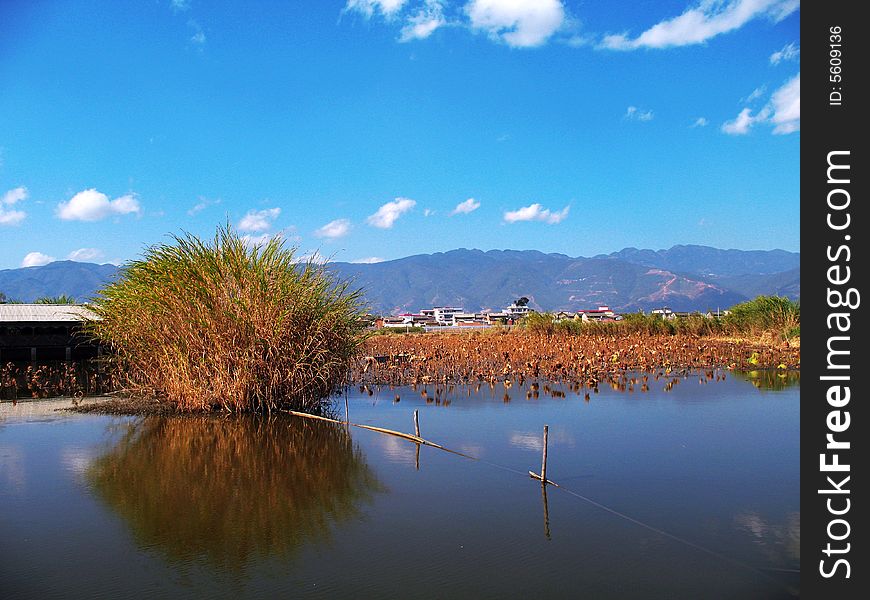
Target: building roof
[46,313]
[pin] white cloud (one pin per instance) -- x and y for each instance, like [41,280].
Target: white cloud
[252,241]
[198,38]
[9,216]
[370,260]
[786,104]
[783,112]
[179,5]
[85,254]
[91,205]
[313,257]
[741,124]
[425,21]
[334,229]
[390,212]
[14,195]
[789,52]
[202,205]
[388,8]
[463,208]
[700,122]
[428,212]
[36,259]
[756,94]
[518,23]
[706,20]
[633,113]
[536,212]
[259,220]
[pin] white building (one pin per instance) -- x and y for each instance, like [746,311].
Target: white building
[515,311]
[444,314]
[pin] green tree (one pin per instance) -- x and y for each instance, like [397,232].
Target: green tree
[62,299]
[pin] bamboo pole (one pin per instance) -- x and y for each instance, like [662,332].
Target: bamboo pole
[406,436]
[544,458]
[543,476]
[416,425]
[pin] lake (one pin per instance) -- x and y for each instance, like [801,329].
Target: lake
[691,492]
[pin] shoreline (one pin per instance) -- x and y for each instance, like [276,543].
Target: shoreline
[578,361]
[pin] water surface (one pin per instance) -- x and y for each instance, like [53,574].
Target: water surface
[688,493]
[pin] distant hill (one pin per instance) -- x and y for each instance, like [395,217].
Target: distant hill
[684,278]
[712,262]
[787,283]
[77,279]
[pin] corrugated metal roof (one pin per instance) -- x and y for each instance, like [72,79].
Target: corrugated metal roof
[29,313]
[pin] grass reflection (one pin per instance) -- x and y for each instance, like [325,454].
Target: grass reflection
[228,490]
[771,379]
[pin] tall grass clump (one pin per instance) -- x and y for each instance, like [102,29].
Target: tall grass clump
[219,324]
[539,323]
[766,314]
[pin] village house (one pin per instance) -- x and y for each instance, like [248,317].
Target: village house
[602,313]
[563,315]
[444,314]
[516,311]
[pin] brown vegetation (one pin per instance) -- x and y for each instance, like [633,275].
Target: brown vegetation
[219,324]
[49,380]
[584,360]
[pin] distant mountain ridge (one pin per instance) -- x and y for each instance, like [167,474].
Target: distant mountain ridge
[682,277]
[713,262]
[64,277]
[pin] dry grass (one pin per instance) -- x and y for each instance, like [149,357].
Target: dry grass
[219,324]
[581,359]
[50,380]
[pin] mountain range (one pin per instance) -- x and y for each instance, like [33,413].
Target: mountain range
[683,278]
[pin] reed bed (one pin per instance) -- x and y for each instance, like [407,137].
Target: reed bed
[765,314]
[50,380]
[583,360]
[223,325]
[764,317]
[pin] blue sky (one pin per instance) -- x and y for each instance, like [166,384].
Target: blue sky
[374,129]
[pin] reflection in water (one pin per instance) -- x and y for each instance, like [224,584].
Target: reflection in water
[780,542]
[228,490]
[771,379]
[534,441]
[546,510]
[13,477]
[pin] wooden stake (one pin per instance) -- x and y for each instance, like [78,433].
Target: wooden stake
[346,410]
[416,425]
[544,458]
